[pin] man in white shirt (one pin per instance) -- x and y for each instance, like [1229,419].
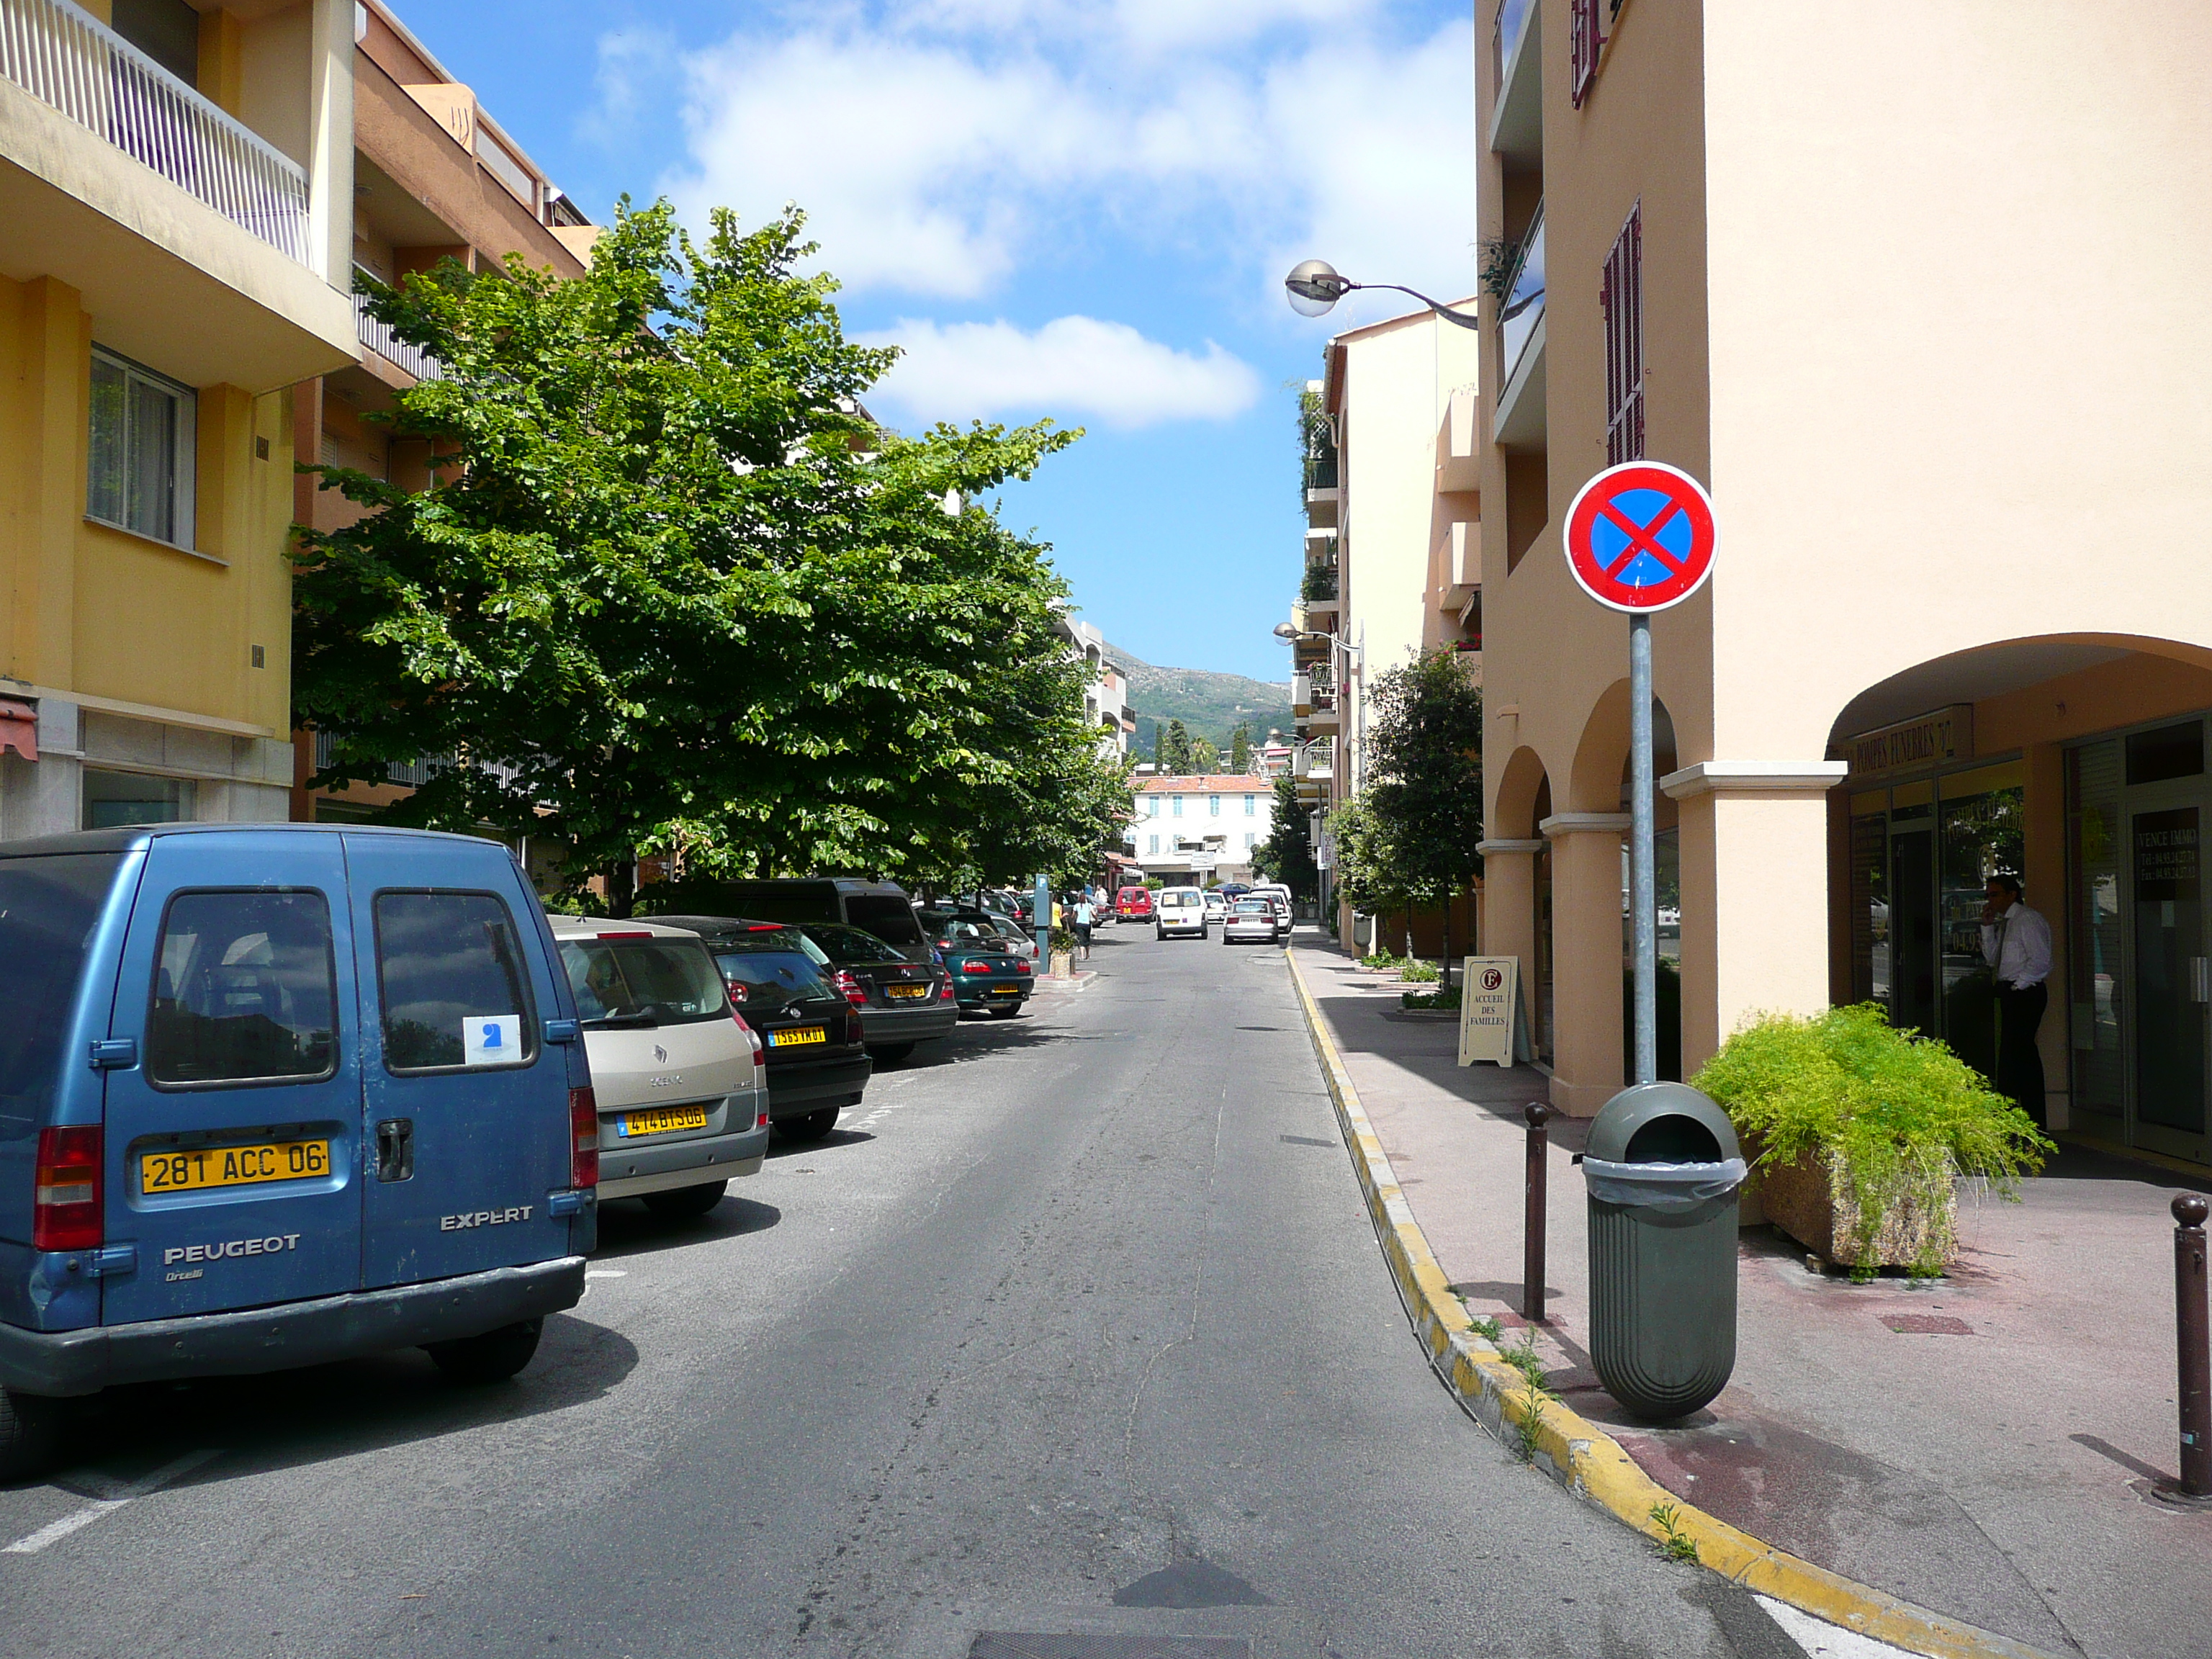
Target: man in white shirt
[2016,943]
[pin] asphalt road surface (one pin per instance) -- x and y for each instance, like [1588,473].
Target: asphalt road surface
[1075,1328]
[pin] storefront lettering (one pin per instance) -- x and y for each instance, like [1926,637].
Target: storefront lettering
[1943,735]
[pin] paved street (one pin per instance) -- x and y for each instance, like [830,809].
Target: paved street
[1076,1326]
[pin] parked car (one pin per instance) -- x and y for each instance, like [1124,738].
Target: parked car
[682,1090]
[881,908]
[278,1095]
[1249,919]
[1180,911]
[987,977]
[1278,896]
[902,1003]
[1013,938]
[813,1039]
[1217,906]
[1133,904]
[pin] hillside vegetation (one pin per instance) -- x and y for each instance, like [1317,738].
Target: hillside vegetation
[1210,705]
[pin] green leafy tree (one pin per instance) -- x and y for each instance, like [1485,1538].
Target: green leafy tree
[1424,758]
[1367,863]
[671,591]
[1240,752]
[1204,757]
[1287,854]
[1172,747]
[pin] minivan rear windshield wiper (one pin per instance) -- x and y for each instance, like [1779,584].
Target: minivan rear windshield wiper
[638,1022]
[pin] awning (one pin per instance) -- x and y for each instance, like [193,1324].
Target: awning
[19,727]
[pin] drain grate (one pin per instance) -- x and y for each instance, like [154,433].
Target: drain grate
[1012,1644]
[1927,1325]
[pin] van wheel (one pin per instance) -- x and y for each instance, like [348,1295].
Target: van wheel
[890,1053]
[30,1433]
[492,1357]
[682,1203]
[813,1126]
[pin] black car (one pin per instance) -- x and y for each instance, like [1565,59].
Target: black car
[901,1002]
[986,977]
[783,985]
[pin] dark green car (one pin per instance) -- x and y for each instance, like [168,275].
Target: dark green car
[986,978]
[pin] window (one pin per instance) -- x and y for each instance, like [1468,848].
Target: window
[1585,43]
[141,475]
[1251,804]
[166,31]
[1250,840]
[1175,807]
[47,908]
[645,983]
[1153,851]
[887,916]
[113,801]
[1213,806]
[245,990]
[1622,296]
[449,972]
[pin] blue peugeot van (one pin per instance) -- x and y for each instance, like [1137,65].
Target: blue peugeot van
[273,1095]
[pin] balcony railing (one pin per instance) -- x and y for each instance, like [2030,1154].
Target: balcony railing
[1524,302]
[378,337]
[63,58]
[1320,584]
[1321,472]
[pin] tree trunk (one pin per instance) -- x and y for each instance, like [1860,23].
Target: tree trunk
[622,890]
[1447,944]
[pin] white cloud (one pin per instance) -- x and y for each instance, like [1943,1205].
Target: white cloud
[1073,368]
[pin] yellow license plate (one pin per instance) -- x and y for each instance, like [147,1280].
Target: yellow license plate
[662,1120]
[910,990]
[792,1039]
[1005,990]
[233,1166]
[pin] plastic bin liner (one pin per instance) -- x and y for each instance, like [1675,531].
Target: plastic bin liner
[1661,1186]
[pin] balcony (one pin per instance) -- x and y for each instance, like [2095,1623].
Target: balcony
[1459,444]
[190,237]
[380,337]
[1517,66]
[1463,565]
[1521,346]
[1321,490]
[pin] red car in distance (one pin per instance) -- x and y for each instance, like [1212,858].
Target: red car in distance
[1133,904]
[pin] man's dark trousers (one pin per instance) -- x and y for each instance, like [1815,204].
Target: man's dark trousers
[2020,1064]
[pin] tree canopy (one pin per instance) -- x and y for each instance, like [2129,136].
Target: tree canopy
[1287,854]
[671,591]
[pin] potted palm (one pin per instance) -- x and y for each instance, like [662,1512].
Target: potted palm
[1861,1130]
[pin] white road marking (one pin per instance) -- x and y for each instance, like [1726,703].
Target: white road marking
[606,1272]
[1822,1640]
[54,1531]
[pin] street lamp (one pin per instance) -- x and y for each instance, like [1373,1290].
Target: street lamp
[1314,286]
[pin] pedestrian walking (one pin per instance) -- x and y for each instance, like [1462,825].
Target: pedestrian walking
[1085,914]
[2016,943]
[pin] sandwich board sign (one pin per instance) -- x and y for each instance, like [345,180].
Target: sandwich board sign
[1489,1009]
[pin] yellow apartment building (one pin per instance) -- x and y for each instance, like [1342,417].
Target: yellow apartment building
[176,187]
[1812,255]
[435,177]
[1393,540]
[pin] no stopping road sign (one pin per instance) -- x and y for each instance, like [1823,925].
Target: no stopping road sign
[1640,537]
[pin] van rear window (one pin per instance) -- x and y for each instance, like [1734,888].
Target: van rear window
[47,908]
[245,990]
[886,916]
[643,982]
[449,970]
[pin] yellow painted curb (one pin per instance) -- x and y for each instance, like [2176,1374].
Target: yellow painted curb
[1574,1452]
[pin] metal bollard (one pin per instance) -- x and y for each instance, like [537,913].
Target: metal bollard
[1532,1258]
[2191,1324]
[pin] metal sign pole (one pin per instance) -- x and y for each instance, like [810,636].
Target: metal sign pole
[1643,861]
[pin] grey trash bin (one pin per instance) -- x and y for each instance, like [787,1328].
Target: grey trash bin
[1662,1168]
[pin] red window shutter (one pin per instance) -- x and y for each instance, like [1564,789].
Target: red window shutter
[1583,45]
[1621,296]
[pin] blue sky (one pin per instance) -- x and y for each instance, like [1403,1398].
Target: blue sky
[1074,208]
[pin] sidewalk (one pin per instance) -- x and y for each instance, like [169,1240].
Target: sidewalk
[1982,1447]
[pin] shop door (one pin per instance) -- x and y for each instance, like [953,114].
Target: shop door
[1913,974]
[2174,981]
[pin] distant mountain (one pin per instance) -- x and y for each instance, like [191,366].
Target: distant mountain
[1210,705]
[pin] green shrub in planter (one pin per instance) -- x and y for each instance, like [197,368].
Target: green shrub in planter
[1413,972]
[1892,1118]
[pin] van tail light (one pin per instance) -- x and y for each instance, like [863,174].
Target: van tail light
[851,989]
[65,1214]
[751,1036]
[583,1138]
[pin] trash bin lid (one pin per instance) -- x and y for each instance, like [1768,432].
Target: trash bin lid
[1661,1123]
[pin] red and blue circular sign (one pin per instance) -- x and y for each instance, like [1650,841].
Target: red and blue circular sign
[1640,536]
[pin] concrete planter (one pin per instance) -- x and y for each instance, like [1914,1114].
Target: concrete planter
[1815,1201]
[1063,964]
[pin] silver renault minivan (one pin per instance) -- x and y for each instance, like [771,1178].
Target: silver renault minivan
[682,1090]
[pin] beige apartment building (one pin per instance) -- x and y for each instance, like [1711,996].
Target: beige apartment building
[435,178]
[1394,536]
[176,189]
[1808,255]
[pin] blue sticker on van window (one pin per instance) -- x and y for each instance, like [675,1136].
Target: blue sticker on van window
[492,1040]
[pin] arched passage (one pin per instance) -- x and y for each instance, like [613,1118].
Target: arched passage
[1516,887]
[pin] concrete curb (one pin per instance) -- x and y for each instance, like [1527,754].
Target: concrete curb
[1578,1453]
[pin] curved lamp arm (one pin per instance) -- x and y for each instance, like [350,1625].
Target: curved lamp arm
[1441,310]
[1314,286]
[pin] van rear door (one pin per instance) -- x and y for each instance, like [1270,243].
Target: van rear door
[466,1105]
[232,1142]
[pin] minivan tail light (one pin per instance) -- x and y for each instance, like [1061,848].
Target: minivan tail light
[583,1138]
[65,1212]
[752,1035]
